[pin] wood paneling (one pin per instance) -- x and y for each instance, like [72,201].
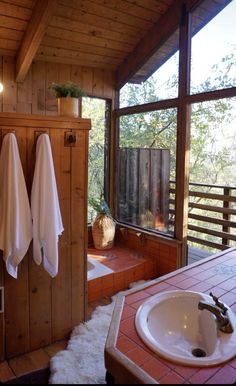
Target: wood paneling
[40,310]
[33,96]
[34,33]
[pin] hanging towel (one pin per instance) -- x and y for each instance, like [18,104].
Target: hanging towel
[46,215]
[15,215]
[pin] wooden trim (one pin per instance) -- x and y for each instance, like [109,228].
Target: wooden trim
[153,106]
[15,119]
[223,235]
[212,208]
[151,235]
[224,223]
[160,32]
[35,31]
[213,196]
[183,137]
[207,243]
[211,95]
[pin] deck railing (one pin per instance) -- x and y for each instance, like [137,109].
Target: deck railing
[212,214]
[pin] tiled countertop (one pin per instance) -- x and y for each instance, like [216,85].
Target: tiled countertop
[126,356]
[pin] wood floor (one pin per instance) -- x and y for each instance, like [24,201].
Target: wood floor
[196,254]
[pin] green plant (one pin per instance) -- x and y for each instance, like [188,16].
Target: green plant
[68,89]
[100,206]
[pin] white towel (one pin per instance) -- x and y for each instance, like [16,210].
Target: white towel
[15,215]
[45,209]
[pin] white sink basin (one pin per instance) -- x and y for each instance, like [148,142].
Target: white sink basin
[171,324]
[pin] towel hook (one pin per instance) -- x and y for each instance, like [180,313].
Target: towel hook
[69,138]
[37,133]
[7,131]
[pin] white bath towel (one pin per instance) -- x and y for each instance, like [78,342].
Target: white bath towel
[45,209]
[15,215]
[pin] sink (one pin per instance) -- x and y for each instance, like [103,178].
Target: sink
[171,324]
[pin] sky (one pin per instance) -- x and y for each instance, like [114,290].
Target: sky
[214,41]
[209,45]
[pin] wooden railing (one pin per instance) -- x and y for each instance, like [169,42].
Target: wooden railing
[212,214]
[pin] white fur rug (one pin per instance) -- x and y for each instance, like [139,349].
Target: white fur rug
[83,360]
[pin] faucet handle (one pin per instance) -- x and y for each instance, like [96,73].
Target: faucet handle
[218,303]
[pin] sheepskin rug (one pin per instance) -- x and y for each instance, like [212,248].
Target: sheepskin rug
[83,360]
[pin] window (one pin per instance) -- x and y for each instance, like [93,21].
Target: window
[146,164]
[162,84]
[213,55]
[96,110]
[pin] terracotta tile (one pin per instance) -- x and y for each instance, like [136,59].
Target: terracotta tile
[185,371]
[129,276]
[95,284]
[125,344]
[216,279]
[204,275]
[163,286]
[203,375]
[119,280]
[172,379]
[150,270]
[136,296]
[229,298]
[217,291]
[228,284]
[193,271]
[127,312]
[108,291]
[201,287]
[187,283]
[139,272]
[139,356]
[155,369]
[127,325]
[230,262]
[226,375]
[134,336]
[107,281]
[94,295]
[176,279]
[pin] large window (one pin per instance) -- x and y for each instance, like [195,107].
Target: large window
[96,110]
[213,55]
[162,84]
[146,164]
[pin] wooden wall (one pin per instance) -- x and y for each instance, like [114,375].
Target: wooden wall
[33,96]
[40,310]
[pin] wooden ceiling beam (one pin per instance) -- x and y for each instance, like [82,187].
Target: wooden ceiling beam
[166,25]
[34,33]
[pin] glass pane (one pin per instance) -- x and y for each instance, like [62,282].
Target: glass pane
[147,159]
[213,174]
[214,51]
[162,84]
[94,109]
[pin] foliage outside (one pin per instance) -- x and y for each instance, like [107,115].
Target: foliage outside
[213,135]
[94,109]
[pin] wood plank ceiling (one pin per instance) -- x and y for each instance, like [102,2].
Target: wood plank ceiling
[104,34]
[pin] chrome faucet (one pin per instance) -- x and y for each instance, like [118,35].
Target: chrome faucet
[220,312]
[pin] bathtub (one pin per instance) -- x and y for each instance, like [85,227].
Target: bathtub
[96,269]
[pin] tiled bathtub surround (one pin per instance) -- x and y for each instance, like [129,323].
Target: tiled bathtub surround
[216,274]
[126,266]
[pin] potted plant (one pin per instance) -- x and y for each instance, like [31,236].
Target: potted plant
[103,227]
[67,95]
